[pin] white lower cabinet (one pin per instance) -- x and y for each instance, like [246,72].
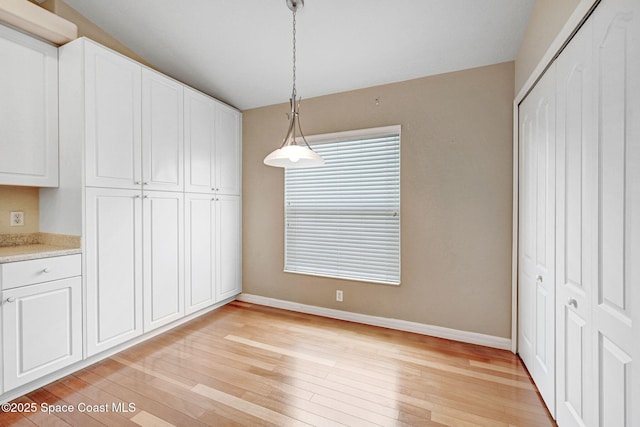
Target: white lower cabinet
[213,267]
[162,255]
[228,227]
[200,251]
[41,324]
[113,252]
[135,264]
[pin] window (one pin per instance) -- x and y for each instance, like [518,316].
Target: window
[343,219]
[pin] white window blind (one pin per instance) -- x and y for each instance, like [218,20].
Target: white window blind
[343,219]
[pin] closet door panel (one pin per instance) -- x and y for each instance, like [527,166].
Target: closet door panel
[526,241]
[616,298]
[537,243]
[575,200]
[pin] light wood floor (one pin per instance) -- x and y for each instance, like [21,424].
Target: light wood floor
[251,365]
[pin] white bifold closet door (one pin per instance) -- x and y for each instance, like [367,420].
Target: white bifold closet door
[536,291]
[579,148]
[598,220]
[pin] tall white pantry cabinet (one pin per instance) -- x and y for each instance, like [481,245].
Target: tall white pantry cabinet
[579,224]
[123,169]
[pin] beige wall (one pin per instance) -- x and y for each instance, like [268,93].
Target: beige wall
[23,199]
[88,29]
[456,200]
[547,19]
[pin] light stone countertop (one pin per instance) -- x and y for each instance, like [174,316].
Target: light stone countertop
[27,252]
[36,245]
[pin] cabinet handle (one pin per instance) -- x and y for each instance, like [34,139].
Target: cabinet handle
[145,183]
[573,302]
[539,279]
[46,270]
[136,182]
[145,197]
[137,196]
[11,299]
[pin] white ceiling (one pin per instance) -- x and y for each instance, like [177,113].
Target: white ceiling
[239,51]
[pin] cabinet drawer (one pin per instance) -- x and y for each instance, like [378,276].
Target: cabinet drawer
[21,273]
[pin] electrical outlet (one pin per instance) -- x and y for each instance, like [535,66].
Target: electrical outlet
[17,219]
[339,296]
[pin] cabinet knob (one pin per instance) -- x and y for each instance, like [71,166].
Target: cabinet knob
[46,270]
[145,183]
[11,299]
[136,182]
[573,302]
[539,279]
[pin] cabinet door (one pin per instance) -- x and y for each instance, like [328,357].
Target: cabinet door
[113,253]
[113,114]
[200,251]
[228,241]
[163,260]
[28,111]
[199,142]
[162,132]
[536,255]
[42,329]
[228,150]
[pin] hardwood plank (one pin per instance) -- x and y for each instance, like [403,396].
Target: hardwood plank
[248,407]
[244,364]
[280,350]
[145,419]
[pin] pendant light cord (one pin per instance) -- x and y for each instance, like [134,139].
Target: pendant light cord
[294,57]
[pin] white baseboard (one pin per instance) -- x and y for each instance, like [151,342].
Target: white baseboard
[401,325]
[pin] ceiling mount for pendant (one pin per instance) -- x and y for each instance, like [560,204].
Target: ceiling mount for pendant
[294,5]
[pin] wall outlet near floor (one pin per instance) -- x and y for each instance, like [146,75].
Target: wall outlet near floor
[339,296]
[17,219]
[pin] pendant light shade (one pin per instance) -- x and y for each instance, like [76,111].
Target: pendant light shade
[290,154]
[293,156]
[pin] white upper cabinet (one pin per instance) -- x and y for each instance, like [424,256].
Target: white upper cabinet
[228,157]
[212,146]
[112,119]
[28,110]
[199,141]
[162,132]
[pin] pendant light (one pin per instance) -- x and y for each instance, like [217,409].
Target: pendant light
[290,154]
